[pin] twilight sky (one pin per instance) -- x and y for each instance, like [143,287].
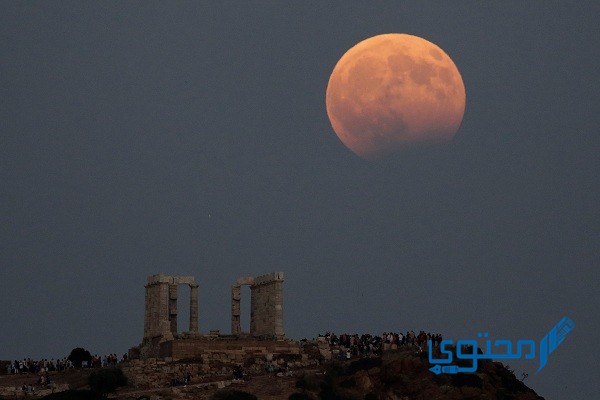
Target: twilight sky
[192,139]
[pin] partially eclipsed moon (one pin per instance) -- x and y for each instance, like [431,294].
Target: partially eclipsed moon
[393,91]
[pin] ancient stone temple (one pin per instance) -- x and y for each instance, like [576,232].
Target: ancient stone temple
[161,339]
[165,354]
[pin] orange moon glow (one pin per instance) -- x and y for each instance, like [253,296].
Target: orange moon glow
[394,91]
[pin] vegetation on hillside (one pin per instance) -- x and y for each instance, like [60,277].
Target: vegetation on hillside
[78,355]
[106,380]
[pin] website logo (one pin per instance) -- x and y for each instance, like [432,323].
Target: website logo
[498,350]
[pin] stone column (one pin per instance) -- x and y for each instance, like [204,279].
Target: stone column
[193,308]
[236,296]
[266,306]
[156,318]
[148,310]
[173,308]
[278,309]
[163,309]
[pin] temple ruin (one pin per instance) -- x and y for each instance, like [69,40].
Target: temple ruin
[165,354]
[161,338]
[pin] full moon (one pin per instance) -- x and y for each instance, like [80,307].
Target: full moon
[394,91]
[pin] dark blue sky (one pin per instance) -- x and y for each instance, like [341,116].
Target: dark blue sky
[193,139]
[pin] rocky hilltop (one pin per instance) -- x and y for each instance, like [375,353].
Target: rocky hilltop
[397,375]
[401,374]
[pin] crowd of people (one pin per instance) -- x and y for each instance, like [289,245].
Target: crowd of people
[28,365]
[367,344]
[105,361]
